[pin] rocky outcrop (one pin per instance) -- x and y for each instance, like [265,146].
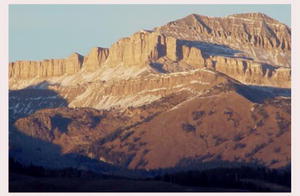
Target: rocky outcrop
[95,58]
[249,72]
[141,90]
[193,56]
[262,37]
[251,48]
[173,49]
[146,46]
[45,68]
[138,49]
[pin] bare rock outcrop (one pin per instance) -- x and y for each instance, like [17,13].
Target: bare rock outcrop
[193,56]
[137,50]
[95,58]
[250,72]
[141,90]
[251,48]
[46,68]
[262,37]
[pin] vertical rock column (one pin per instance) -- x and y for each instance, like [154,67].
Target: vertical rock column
[73,63]
[193,56]
[45,68]
[137,50]
[174,50]
[95,58]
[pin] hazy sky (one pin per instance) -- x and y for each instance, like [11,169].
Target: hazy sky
[38,32]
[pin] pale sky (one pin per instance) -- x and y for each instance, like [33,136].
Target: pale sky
[39,32]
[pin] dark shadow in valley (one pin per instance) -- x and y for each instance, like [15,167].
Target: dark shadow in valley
[30,150]
[210,49]
[26,101]
[60,122]
[259,94]
[158,67]
[42,85]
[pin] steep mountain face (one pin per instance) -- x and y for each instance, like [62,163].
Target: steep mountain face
[46,68]
[253,35]
[95,59]
[198,89]
[252,48]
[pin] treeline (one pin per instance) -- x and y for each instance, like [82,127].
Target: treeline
[243,178]
[38,171]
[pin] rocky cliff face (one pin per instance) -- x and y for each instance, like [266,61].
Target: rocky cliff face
[95,59]
[46,68]
[251,48]
[259,36]
[142,90]
[250,72]
[184,55]
[137,50]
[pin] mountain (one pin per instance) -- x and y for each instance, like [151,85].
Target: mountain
[195,91]
[221,126]
[252,35]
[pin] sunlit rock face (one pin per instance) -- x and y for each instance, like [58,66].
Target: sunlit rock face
[95,58]
[257,35]
[46,68]
[252,48]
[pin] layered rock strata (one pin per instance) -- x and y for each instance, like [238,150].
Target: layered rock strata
[95,58]
[251,48]
[46,68]
[262,37]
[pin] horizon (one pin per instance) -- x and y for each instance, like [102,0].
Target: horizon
[57,31]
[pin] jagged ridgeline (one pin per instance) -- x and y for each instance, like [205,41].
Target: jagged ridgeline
[196,90]
[253,47]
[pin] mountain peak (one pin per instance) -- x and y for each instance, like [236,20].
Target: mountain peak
[254,16]
[193,18]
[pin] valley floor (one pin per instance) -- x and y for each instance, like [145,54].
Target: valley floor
[25,183]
